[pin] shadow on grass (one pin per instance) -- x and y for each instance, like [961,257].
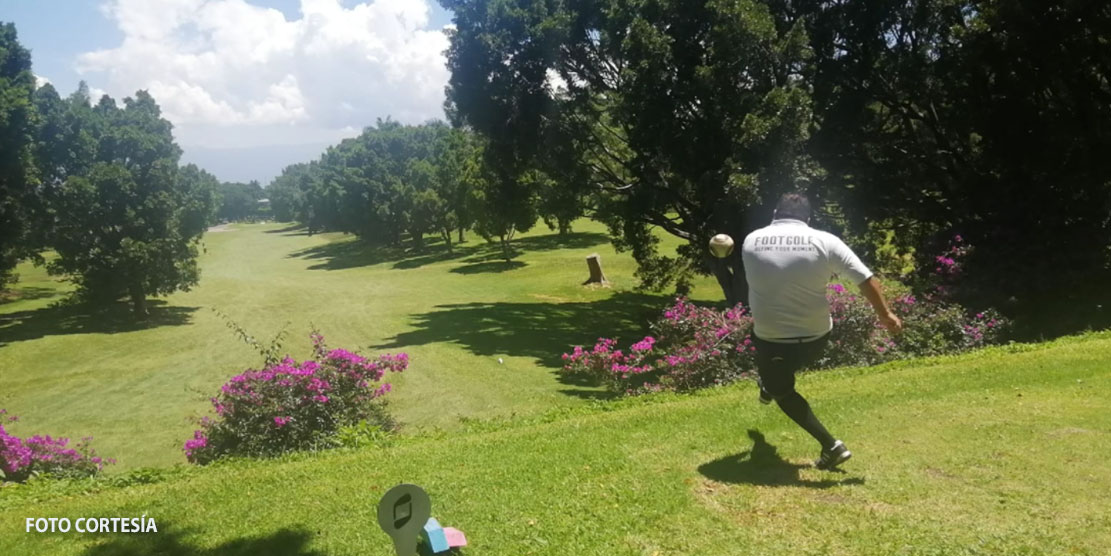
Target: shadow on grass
[292,229]
[763,466]
[27,293]
[591,394]
[543,331]
[347,254]
[437,256]
[169,541]
[489,267]
[355,253]
[59,320]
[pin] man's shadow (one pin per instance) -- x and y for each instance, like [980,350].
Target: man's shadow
[762,465]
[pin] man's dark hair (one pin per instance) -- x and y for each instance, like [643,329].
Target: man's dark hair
[793,205]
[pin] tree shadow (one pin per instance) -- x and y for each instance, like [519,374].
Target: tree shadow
[543,331]
[27,293]
[342,255]
[292,229]
[491,266]
[430,258]
[62,319]
[546,242]
[355,253]
[763,466]
[169,541]
[489,254]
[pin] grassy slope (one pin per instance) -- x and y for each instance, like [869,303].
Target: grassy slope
[999,452]
[136,390]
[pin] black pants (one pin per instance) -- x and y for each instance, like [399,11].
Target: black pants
[777,363]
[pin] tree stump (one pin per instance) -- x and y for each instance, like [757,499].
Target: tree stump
[594,263]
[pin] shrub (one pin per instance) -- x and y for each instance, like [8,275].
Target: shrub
[694,347]
[22,458]
[290,406]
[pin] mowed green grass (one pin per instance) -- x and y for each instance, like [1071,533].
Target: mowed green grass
[138,389]
[999,452]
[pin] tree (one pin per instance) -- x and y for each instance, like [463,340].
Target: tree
[501,207]
[239,201]
[685,117]
[287,197]
[983,118]
[454,170]
[19,203]
[131,226]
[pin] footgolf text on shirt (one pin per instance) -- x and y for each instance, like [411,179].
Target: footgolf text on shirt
[142,524]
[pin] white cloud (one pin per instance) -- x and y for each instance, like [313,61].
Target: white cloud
[231,74]
[40,81]
[95,93]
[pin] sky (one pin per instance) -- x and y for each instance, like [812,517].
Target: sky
[251,86]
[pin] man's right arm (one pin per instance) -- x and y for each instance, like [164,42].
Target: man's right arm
[874,292]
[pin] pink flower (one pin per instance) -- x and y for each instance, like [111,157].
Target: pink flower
[191,446]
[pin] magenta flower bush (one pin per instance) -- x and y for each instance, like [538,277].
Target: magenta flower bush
[21,458]
[940,278]
[295,405]
[931,326]
[695,347]
[692,347]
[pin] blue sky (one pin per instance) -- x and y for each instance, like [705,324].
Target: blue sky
[249,90]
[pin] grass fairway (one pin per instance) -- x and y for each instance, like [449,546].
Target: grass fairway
[998,452]
[138,389]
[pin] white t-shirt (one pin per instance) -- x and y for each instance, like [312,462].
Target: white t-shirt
[788,266]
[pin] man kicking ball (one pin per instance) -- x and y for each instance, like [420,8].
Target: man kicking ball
[788,266]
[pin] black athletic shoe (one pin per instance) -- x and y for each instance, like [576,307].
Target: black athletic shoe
[833,457]
[765,397]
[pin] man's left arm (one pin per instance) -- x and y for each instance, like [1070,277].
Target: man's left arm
[845,263]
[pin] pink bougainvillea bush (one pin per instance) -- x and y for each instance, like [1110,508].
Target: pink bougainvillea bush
[695,347]
[21,458]
[295,405]
[691,347]
[931,326]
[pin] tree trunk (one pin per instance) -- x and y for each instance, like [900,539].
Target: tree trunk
[446,234]
[418,241]
[730,275]
[564,227]
[505,248]
[594,264]
[461,234]
[138,301]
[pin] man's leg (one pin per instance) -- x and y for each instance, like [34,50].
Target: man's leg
[776,364]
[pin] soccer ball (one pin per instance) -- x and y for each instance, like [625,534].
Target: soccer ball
[721,246]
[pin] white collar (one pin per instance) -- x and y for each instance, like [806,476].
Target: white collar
[778,221]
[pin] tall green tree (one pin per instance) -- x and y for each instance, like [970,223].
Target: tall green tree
[455,175]
[19,202]
[687,117]
[239,201]
[981,118]
[132,225]
[287,194]
[501,207]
